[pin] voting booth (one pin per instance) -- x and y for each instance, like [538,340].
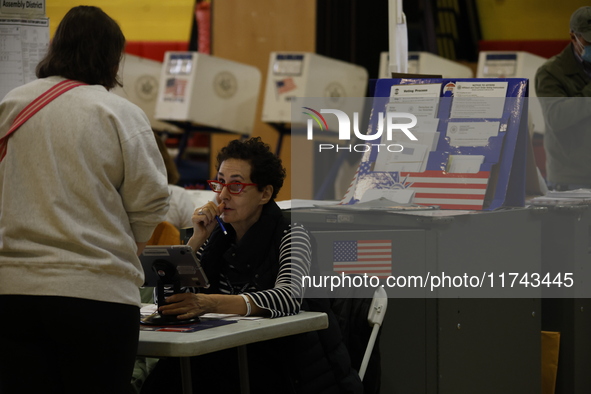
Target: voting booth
[295,75]
[141,80]
[205,90]
[428,64]
[515,64]
[303,74]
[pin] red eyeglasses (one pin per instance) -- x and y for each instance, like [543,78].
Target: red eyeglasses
[233,187]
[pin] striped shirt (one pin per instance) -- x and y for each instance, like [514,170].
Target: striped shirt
[285,297]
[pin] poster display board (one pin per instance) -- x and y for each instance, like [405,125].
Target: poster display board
[470,145]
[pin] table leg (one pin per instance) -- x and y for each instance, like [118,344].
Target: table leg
[186,375]
[243,369]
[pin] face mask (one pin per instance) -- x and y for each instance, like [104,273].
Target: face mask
[586,54]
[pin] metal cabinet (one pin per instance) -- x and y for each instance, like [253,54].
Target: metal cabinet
[447,342]
[566,245]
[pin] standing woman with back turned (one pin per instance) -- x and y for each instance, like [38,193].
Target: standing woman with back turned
[82,186]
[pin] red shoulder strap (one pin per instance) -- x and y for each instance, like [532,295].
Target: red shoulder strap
[34,107]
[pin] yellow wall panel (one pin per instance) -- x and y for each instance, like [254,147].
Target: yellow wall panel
[526,19]
[170,20]
[140,20]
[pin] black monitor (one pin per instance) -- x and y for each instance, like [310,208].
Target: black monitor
[170,266]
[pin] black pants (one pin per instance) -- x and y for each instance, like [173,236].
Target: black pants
[66,345]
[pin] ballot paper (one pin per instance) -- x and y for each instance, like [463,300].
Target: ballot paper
[567,197]
[150,309]
[227,316]
[382,203]
[577,193]
[301,203]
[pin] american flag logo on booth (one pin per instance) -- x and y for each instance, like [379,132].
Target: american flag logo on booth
[175,87]
[371,257]
[285,85]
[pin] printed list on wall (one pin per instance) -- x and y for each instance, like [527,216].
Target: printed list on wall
[23,43]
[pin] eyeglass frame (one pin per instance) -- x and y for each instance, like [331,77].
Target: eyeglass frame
[209,182]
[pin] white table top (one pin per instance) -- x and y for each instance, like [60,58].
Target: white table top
[174,344]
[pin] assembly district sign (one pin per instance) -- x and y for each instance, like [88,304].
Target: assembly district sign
[22,7]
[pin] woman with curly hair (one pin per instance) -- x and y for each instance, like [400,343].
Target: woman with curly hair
[255,260]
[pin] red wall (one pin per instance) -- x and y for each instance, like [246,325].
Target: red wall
[154,50]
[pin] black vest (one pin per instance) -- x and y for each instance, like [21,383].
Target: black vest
[251,263]
[313,362]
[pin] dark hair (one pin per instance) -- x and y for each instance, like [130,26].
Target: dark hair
[87,47]
[266,168]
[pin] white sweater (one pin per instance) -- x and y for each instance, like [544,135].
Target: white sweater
[81,182]
[181,207]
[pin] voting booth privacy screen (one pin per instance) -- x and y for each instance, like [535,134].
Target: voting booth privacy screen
[204,90]
[427,63]
[141,81]
[294,75]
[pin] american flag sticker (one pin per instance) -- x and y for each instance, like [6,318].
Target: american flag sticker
[175,87]
[371,257]
[285,85]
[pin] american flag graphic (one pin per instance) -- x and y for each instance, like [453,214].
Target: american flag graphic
[364,167]
[372,257]
[175,87]
[448,191]
[285,85]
